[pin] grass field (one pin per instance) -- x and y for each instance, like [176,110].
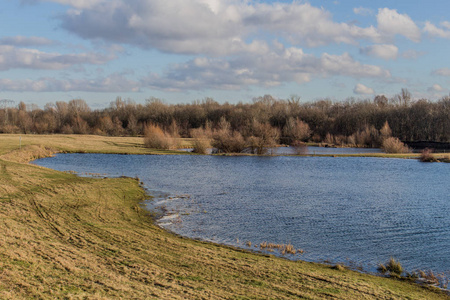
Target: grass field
[68,237]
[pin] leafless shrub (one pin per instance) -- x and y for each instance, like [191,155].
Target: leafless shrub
[67,129]
[329,139]
[394,145]
[155,138]
[226,140]
[201,140]
[339,140]
[385,131]
[427,156]
[9,129]
[351,140]
[296,130]
[367,137]
[173,129]
[261,137]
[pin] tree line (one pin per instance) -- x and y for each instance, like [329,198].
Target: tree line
[288,121]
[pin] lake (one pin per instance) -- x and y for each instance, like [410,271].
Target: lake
[357,211]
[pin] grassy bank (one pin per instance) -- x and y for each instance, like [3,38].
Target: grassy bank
[69,237]
[82,143]
[130,145]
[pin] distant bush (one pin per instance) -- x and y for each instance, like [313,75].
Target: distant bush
[296,130]
[155,138]
[329,139]
[394,145]
[385,131]
[226,140]
[427,156]
[9,129]
[263,136]
[367,137]
[201,140]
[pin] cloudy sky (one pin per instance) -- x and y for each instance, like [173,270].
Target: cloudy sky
[230,50]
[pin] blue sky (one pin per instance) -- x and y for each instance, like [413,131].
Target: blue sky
[230,50]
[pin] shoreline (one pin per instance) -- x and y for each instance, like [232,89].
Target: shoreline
[134,145]
[173,239]
[277,249]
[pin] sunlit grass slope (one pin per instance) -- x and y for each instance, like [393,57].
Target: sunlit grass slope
[64,236]
[81,143]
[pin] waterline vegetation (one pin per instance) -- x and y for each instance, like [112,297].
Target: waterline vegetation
[68,143]
[65,236]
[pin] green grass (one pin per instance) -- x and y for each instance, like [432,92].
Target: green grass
[66,237]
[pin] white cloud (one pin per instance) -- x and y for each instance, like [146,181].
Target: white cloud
[381,51]
[114,83]
[436,88]
[14,58]
[363,11]
[441,72]
[445,24]
[221,27]
[361,89]
[23,41]
[272,68]
[304,24]
[81,4]
[391,23]
[432,30]
[176,26]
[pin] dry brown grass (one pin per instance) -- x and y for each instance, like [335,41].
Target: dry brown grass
[436,279]
[281,248]
[80,144]
[67,237]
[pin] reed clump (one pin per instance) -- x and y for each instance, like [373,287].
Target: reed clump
[282,248]
[393,266]
[429,277]
[427,156]
[339,267]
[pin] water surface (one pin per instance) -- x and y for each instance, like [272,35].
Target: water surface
[351,210]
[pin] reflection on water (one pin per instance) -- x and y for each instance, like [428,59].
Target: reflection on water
[312,150]
[324,150]
[360,210]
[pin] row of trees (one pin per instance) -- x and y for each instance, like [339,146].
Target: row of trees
[348,122]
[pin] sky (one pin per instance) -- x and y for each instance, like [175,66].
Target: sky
[229,50]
